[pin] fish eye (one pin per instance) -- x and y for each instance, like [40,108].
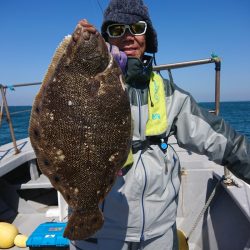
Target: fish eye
[37,109]
[36,132]
[56,178]
[46,162]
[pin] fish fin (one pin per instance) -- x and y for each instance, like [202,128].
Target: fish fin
[56,58]
[51,69]
[82,225]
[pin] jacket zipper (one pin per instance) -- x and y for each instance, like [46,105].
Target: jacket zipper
[142,203]
[139,108]
[174,159]
[144,170]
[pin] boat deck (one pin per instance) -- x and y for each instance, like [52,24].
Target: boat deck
[27,202]
[27,197]
[9,160]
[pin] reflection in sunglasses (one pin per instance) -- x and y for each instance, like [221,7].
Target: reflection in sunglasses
[118,30]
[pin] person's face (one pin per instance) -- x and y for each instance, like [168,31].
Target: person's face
[132,45]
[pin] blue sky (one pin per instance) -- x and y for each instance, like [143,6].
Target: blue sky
[30,30]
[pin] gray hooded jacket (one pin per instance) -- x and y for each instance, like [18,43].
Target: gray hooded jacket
[143,202]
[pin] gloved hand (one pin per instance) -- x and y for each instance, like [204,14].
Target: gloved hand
[119,56]
[87,26]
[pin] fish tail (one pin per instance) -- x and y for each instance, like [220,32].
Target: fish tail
[81,225]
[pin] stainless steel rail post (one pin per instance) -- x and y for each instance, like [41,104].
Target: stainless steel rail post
[12,133]
[217,85]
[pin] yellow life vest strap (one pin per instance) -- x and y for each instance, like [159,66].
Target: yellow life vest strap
[157,113]
[129,160]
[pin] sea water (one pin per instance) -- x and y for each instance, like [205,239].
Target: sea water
[237,114]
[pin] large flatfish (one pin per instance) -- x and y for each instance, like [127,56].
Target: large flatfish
[80,127]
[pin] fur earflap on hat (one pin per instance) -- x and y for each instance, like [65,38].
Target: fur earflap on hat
[128,12]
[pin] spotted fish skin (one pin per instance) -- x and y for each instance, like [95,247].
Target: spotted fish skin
[80,127]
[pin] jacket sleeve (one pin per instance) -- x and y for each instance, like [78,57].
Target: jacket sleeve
[201,132]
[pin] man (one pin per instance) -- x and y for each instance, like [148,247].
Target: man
[140,210]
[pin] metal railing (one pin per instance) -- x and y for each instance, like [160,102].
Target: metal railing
[5,107]
[215,60]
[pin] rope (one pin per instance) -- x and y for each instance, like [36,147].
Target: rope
[5,152]
[21,111]
[11,87]
[204,208]
[13,113]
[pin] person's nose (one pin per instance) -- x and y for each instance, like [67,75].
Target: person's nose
[127,35]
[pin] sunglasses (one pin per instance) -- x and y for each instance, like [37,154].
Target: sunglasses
[117,30]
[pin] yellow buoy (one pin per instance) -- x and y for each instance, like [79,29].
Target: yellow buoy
[8,232]
[182,240]
[20,240]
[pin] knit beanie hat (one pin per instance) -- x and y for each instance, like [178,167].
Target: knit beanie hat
[128,12]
